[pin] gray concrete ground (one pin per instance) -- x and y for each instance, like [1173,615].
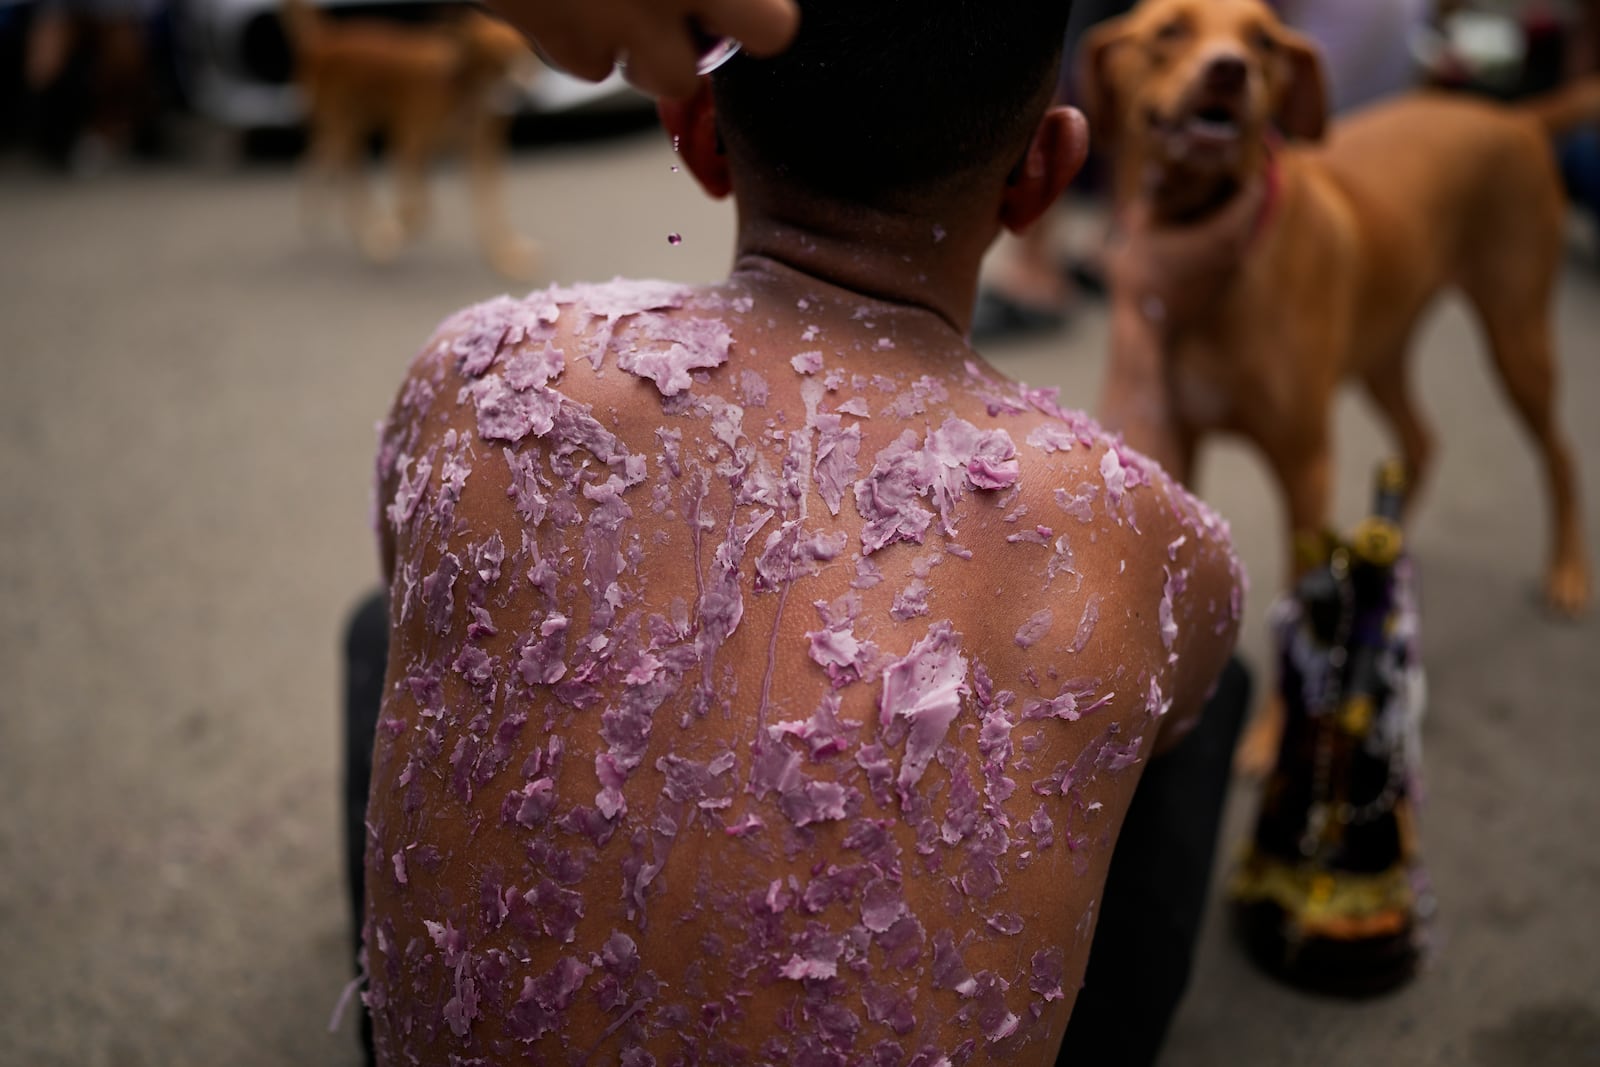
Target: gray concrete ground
[187,392]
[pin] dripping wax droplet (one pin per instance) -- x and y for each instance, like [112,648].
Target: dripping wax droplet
[674,238]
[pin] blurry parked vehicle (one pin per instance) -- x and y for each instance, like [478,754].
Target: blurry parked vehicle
[237,67]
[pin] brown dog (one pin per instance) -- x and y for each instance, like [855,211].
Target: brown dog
[1249,279]
[419,86]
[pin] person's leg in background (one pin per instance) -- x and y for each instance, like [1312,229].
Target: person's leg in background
[1156,891]
[366,659]
[1030,290]
[1580,166]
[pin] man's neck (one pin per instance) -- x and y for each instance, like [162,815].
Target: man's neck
[911,261]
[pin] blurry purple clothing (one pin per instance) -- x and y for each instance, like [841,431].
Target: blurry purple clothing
[1366,43]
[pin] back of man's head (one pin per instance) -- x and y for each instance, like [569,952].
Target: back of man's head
[884,103]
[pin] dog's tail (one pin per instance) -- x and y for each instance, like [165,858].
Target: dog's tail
[1564,110]
[302,24]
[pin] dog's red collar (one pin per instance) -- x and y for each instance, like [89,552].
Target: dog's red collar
[1271,192]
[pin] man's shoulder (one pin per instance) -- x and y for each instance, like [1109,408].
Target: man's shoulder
[587,318]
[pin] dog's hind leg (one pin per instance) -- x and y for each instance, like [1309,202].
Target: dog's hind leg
[345,149]
[318,175]
[412,149]
[1516,318]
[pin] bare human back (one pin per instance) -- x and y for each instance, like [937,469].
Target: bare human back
[769,681]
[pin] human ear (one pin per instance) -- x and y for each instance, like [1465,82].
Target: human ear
[692,124]
[1054,157]
[1302,107]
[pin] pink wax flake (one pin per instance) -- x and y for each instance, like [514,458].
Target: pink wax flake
[476,666]
[702,784]
[806,362]
[894,1010]
[1086,625]
[1115,476]
[1060,561]
[530,806]
[1039,535]
[837,462]
[438,593]
[873,760]
[1005,923]
[957,456]
[815,802]
[1067,704]
[778,897]
[1042,828]
[534,367]
[1157,704]
[887,497]
[1046,971]
[962,812]
[923,691]
[881,906]
[480,332]
[1169,626]
[994,461]
[746,826]
[1078,505]
[867,574]
[674,239]
[665,349]
[623,297]
[506,414]
[799,969]
[447,939]
[409,492]
[838,652]
[1034,630]
[949,970]
[911,602]
[753,389]
[1052,437]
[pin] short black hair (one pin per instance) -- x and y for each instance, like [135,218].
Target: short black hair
[882,101]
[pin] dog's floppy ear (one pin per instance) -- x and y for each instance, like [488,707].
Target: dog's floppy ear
[1097,83]
[1303,87]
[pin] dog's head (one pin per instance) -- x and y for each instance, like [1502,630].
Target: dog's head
[493,50]
[1198,83]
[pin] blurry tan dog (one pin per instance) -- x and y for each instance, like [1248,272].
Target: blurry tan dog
[421,87]
[1250,279]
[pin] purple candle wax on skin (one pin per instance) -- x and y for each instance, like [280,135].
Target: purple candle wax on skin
[699,707]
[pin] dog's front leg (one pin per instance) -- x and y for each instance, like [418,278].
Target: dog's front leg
[1137,400]
[508,252]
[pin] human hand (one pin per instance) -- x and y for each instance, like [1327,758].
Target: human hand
[659,41]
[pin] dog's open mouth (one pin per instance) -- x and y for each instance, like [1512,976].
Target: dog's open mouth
[1207,128]
[1213,122]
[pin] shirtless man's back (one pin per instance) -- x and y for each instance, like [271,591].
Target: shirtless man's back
[769,677]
